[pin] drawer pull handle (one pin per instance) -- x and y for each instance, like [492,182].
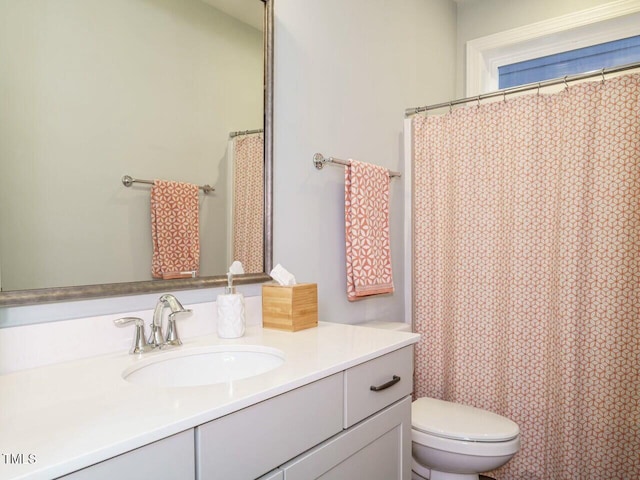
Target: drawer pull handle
[384,386]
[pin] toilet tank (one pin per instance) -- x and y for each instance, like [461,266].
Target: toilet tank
[397,326]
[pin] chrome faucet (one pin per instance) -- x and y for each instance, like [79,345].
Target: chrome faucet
[156,338]
[140,345]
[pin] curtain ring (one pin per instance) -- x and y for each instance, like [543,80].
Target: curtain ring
[566,85]
[504,96]
[450,107]
[538,89]
[478,105]
[602,72]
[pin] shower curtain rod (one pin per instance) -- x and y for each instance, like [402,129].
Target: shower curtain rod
[523,88]
[245,132]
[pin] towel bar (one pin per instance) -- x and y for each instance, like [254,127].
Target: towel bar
[319,161]
[127,181]
[245,132]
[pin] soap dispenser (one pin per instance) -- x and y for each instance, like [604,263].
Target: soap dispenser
[231,322]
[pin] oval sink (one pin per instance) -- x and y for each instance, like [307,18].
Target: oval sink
[204,366]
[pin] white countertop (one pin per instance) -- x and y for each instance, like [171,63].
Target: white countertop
[71,415]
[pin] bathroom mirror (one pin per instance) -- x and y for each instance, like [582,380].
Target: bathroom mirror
[94,90]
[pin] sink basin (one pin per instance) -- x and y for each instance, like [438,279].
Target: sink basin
[204,366]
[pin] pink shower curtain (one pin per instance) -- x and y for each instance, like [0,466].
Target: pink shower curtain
[248,202]
[527,273]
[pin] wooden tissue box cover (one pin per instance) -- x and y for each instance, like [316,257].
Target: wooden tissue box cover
[290,308]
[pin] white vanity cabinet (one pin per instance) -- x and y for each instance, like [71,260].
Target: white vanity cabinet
[353,424]
[335,428]
[315,416]
[246,444]
[171,458]
[376,442]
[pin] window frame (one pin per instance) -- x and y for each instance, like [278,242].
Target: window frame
[612,21]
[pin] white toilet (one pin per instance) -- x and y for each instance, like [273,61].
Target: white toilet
[451,441]
[456,442]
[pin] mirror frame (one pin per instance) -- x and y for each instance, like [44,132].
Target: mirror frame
[83,292]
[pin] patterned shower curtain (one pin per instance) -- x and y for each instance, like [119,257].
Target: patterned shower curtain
[248,202]
[527,273]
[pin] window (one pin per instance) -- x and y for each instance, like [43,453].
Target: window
[604,55]
[609,23]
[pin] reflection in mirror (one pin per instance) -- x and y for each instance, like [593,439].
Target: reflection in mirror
[247,213]
[94,90]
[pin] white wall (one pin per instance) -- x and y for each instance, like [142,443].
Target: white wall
[345,72]
[93,90]
[485,17]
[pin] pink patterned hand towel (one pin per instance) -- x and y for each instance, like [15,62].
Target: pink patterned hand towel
[175,230]
[366,198]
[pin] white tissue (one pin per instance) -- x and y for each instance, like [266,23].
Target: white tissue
[282,276]
[236,268]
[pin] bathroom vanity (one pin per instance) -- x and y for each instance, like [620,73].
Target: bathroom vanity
[314,416]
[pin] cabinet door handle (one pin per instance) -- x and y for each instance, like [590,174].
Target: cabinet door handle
[384,386]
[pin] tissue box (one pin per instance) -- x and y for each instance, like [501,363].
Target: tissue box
[290,308]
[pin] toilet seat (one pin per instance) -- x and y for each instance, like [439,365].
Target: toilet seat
[479,449]
[458,422]
[454,441]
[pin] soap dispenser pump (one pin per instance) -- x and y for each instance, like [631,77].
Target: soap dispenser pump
[231,321]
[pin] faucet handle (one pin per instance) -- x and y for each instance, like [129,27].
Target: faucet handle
[172,330]
[173,303]
[139,343]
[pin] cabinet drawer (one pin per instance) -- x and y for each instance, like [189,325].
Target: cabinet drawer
[360,400]
[248,443]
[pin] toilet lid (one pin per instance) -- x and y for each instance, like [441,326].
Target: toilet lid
[460,422]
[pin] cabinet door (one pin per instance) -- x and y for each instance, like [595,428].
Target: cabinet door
[246,444]
[171,458]
[378,448]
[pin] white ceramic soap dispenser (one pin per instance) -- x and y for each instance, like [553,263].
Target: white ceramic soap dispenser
[231,322]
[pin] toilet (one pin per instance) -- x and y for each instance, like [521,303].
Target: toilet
[451,441]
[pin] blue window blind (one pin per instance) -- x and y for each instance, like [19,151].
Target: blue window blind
[595,57]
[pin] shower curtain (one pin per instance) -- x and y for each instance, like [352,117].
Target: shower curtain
[248,201]
[527,273]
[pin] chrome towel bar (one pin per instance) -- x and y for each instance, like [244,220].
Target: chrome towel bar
[319,161]
[127,181]
[245,132]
